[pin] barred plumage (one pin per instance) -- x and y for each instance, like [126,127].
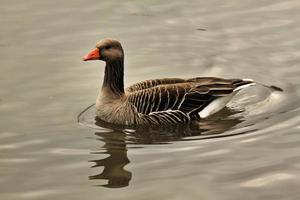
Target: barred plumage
[159,101]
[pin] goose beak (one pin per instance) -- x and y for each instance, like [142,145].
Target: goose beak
[93,55]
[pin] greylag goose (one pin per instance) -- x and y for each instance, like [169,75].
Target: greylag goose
[158,101]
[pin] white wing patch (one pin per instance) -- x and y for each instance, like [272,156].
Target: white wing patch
[245,86]
[216,105]
[219,103]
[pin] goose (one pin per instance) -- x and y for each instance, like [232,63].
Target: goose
[158,101]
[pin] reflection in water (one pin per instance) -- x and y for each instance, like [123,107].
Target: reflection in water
[117,140]
[114,164]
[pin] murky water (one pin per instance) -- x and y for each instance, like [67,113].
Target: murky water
[250,150]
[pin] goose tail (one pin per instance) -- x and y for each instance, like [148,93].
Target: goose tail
[244,83]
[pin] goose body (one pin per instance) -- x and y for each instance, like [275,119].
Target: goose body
[157,101]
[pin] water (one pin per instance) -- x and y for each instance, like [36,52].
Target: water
[250,150]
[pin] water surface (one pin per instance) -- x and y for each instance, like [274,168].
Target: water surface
[249,150]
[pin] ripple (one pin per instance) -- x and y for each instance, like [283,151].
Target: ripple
[39,193]
[5,135]
[65,151]
[281,6]
[17,160]
[268,179]
[23,144]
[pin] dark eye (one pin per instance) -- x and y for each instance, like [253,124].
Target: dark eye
[107,47]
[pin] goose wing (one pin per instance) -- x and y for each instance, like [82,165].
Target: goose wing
[153,83]
[166,81]
[188,97]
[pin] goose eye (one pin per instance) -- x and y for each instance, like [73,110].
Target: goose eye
[107,47]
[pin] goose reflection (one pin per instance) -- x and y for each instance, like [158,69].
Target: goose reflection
[113,172]
[117,140]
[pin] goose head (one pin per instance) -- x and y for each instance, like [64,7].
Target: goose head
[108,50]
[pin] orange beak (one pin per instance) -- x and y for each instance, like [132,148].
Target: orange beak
[93,55]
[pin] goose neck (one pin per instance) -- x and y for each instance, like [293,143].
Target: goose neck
[114,77]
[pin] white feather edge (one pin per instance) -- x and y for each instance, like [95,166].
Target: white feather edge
[220,103]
